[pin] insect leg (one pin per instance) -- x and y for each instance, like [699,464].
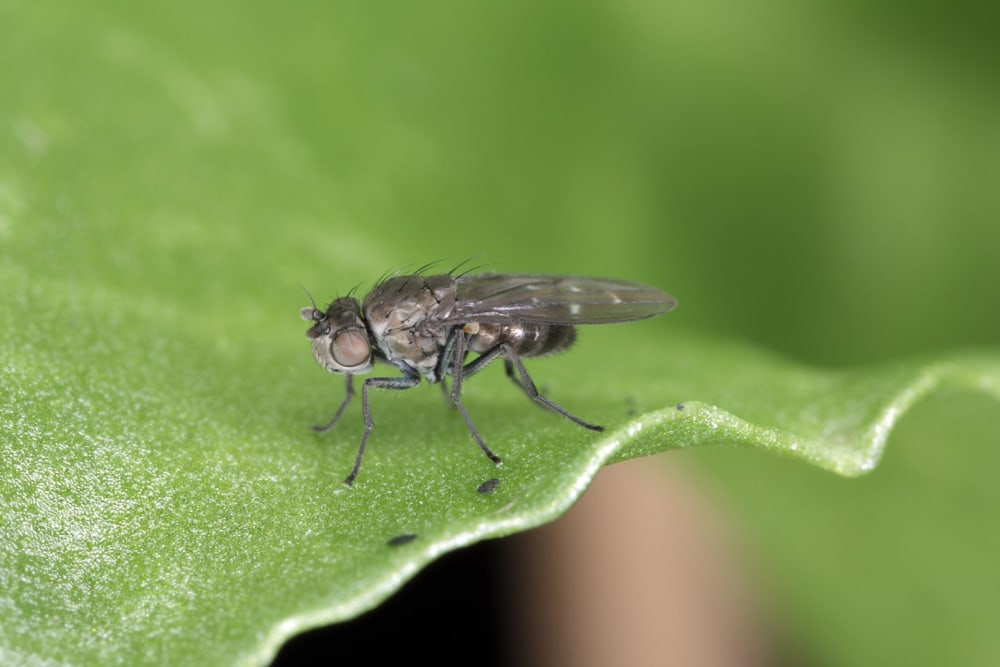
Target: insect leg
[406,382]
[508,367]
[513,362]
[445,361]
[456,390]
[347,399]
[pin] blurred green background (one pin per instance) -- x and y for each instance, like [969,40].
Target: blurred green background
[820,179]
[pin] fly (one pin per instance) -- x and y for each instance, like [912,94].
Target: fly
[427,326]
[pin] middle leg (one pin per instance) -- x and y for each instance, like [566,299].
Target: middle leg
[457,372]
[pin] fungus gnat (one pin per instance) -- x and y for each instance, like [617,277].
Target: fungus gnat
[428,325]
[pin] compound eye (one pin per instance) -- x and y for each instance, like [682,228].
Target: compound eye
[350,348]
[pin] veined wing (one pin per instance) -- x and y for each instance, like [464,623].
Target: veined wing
[515,297]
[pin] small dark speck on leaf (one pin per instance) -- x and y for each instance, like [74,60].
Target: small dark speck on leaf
[489,486]
[680,406]
[401,539]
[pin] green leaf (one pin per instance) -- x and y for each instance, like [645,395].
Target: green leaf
[161,478]
[163,189]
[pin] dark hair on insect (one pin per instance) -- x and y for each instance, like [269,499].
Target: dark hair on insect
[471,269]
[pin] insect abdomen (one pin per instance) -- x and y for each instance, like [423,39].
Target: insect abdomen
[527,339]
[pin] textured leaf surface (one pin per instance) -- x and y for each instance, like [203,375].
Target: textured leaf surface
[163,187]
[158,481]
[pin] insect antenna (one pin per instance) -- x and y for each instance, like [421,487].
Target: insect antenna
[308,294]
[317,313]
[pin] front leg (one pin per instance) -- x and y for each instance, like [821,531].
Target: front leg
[347,399]
[405,382]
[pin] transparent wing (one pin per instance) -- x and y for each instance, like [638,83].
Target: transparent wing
[513,297]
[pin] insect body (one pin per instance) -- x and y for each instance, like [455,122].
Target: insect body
[427,326]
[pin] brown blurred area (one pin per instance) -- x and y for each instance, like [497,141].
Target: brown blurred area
[643,570]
